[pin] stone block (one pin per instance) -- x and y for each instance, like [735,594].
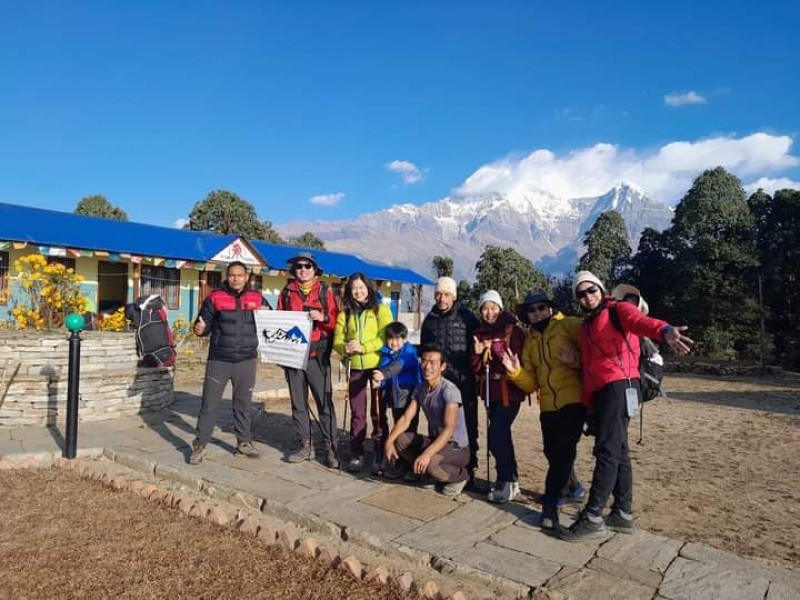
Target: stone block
[267,534]
[405,581]
[379,575]
[688,579]
[430,591]
[588,584]
[329,556]
[457,596]
[308,547]
[248,525]
[511,564]
[218,516]
[288,539]
[352,566]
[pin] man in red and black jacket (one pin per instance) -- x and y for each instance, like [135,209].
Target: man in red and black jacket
[228,316]
[305,292]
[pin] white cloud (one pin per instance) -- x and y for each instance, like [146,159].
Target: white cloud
[679,99]
[179,223]
[327,199]
[666,172]
[410,172]
[772,185]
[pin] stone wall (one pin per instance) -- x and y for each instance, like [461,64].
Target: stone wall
[33,378]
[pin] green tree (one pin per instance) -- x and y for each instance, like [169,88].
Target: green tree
[224,212]
[562,294]
[713,277]
[778,240]
[508,272]
[652,272]
[308,240]
[98,205]
[442,266]
[608,249]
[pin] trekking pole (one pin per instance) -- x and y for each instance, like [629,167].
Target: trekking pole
[641,424]
[486,406]
[346,403]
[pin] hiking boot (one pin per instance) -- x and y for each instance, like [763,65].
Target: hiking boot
[584,529]
[574,496]
[549,520]
[355,464]
[330,459]
[618,522]
[379,468]
[453,489]
[504,492]
[247,449]
[411,477]
[395,471]
[302,453]
[198,453]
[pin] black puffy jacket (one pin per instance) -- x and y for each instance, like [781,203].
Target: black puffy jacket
[230,322]
[453,331]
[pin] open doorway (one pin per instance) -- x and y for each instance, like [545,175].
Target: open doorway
[112,286]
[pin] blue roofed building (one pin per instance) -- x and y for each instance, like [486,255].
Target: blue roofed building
[121,261]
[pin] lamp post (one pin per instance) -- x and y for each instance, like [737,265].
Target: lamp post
[74,323]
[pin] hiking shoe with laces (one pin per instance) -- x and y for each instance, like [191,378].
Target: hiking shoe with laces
[584,529]
[574,496]
[549,520]
[301,453]
[454,489]
[247,449]
[615,521]
[355,464]
[504,492]
[330,460]
[198,454]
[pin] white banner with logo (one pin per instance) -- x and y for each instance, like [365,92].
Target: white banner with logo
[284,337]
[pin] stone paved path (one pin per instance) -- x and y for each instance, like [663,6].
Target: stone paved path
[465,537]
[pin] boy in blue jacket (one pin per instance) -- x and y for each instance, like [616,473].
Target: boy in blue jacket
[398,374]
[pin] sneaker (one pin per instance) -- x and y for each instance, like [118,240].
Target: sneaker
[247,449]
[615,521]
[379,468]
[453,489]
[411,477]
[504,492]
[549,520]
[584,529]
[330,459]
[355,464]
[574,496]
[302,453]
[198,453]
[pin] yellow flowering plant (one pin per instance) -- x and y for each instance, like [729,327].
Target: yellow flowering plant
[49,292]
[116,321]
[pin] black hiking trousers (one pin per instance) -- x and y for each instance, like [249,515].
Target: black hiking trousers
[613,474]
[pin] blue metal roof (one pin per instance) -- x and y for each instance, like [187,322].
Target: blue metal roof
[43,227]
[68,230]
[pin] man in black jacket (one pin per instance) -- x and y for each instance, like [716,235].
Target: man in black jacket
[451,327]
[228,316]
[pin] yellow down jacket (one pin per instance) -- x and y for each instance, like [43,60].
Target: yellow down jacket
[366,327]
[543,372]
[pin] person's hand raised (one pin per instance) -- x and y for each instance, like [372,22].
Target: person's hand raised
[199,327]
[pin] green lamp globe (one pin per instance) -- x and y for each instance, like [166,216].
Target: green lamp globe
[74,322]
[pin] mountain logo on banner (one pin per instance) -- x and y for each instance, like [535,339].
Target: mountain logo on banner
[292,336]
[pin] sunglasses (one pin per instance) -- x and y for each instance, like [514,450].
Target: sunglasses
[538,307]
[303,266]
[583,293]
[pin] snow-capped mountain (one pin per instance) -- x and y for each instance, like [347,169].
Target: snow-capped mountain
[546,229]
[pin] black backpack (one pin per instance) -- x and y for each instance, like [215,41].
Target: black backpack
[651,368]
[155,342]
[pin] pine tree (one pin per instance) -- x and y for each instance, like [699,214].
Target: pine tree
[608,249]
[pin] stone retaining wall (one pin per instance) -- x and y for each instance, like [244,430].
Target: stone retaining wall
[33,378]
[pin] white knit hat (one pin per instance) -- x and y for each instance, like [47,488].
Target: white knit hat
[582,276]
[491,296]
[447,285]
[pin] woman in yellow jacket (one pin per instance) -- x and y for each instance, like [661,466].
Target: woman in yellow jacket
[360,334]
[551,368]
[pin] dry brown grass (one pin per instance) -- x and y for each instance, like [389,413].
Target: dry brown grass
[62,537]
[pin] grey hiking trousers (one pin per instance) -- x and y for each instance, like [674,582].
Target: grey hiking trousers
[242,375]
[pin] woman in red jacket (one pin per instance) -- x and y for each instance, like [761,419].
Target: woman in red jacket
[610,369]
[498,333]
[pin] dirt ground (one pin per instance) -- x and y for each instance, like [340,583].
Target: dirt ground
[718,463]
[63,537]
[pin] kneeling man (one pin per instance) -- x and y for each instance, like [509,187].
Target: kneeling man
[444,453]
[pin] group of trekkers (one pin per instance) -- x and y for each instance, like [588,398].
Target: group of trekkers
[583,370]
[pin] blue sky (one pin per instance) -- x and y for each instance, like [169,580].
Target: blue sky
[332,109]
